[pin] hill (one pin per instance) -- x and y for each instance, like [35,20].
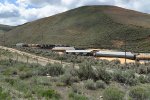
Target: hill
[89,27]
[4,29]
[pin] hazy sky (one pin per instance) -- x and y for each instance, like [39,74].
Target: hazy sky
[16,12]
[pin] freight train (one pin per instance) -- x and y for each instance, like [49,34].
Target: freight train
[95,53]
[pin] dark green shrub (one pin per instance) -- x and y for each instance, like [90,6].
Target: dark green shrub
[100,84]
[113,93]
[26,75]
[10,71]
[10,81]
[139,93]
[3,95]
[90,84]
[51,94]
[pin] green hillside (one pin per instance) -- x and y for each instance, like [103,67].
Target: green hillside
[89,27]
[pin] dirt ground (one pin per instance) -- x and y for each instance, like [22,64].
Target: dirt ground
[122,60]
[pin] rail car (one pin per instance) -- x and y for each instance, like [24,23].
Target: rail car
[142,56]
[127,55]
[80,52]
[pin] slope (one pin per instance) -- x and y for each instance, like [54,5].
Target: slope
[4,29]
[89,27]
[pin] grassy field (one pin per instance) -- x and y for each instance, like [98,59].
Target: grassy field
[88,27]
[93,80]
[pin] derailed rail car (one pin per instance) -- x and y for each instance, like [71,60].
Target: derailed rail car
[127,55]
[80,52]
[143,56]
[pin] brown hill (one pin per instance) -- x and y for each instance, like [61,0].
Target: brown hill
[88,26]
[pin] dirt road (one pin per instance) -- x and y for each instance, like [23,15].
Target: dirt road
[39,59]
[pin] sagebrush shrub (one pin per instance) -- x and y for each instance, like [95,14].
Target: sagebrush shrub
[100,84]
[68,79]
[52,69]
[75,96]
[102,74]
[113,93]
[85,71]
[50,94]
[3,95]
[139,93]
[127,77]
[90,84]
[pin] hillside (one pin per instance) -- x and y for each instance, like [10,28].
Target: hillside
[4,29]
[89,27]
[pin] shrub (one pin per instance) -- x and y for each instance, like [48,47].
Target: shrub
[90,84]
[116,62]
[143,79]
[75,96]
[68,79]
[102,74]
[52,69]
[148,78]
[100,84]
[75,89]
[3,95]
[142,69]
[139,93]
[25,75]
[10,81]
[113,93]
[49,94]
[85,71]
[127,77]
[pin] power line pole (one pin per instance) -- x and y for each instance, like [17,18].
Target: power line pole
[4,40]
[125,45]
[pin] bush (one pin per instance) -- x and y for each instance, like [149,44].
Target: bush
[25,75]
[113,93]
[52,69]
[49,94]
[100,84]
[142,69]
[10,81]
[102,74]
[85,71]
[139,93]
[90,84]
[75,96]
[127,77]
[68,79]
[3,95]
[75,89]
[116,62]
[143,79]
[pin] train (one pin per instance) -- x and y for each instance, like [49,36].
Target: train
[111,54]
[94,52]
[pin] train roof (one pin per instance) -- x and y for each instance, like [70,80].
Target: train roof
[79,51]
[114,53]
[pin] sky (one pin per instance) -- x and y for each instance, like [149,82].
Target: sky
[17,12]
